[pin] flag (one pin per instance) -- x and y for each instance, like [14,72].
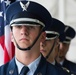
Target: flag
[6,46]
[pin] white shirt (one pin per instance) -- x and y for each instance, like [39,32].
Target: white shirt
[32,66]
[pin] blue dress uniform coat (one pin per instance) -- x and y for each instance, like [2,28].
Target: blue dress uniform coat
[57,64]
[63,68]
[44,68]
[70,66]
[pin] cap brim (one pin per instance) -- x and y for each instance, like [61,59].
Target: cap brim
[28,21]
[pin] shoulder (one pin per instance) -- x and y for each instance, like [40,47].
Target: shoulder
[3,68]
[70,66]
[50,69]
[56,70]
[70,63]
[8,64]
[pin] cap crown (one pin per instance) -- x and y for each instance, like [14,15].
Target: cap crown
[26,10]
[70,34]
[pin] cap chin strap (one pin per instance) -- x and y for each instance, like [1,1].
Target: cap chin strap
[28,48]
[51,49]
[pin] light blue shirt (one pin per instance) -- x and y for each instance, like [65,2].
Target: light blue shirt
[53,63]
[61,63]
[32,66]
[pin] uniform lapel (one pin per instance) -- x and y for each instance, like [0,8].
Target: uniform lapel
[41,69]
[12,68]
[66,64]
[57,64]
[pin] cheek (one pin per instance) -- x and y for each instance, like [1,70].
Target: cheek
[48,47]
[61,47]
[50,44]
[16,36]
[32,36]
[11,37]
[43,37]
[66,49]
[41,46]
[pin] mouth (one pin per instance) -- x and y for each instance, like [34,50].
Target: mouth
[42,50]
[61,57]
[24,39]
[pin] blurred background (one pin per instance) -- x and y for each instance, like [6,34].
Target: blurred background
[64,10]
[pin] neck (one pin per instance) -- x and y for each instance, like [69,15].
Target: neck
[26,57]
[51,59]
[59,59]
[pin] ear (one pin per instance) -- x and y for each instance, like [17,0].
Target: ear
[43,37]
[57,42]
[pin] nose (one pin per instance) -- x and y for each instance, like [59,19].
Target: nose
[44,44]
[41,46]
[61,46]
[24,30]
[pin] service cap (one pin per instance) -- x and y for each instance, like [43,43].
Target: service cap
[29,13]
[57,29]
[70,34]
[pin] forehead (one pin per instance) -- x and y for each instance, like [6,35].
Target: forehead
[28,27]
[64,44]
[49,41]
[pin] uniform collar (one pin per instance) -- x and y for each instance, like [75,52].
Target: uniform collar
[32,66]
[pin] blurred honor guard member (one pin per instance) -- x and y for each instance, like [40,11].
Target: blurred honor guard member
[50,45]
[64,47]
[28,20]
[49,48]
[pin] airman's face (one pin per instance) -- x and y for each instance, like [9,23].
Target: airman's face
[24,35]
[46,46]
[63,49]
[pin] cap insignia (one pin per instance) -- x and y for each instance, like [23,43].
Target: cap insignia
[66,29]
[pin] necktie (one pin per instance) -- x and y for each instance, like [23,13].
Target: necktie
[24,70]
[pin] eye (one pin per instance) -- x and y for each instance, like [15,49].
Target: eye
[18,27]
[31,27]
